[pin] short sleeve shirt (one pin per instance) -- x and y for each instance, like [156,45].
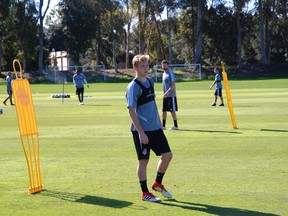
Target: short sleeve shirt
[167,79]
[8,83]
[147,113]
[218,81]
[78,80]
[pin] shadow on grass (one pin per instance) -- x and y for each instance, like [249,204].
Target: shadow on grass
[214,210]
[211,131]
[97,105]
[272,130]
[87,199]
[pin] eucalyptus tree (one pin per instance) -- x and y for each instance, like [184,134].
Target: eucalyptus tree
[185,32]
[4,16]
[117,19]
[198,46]
[171,7]
[130,14]
[54,33]
[41,15]
[261,33]
[155,10]
[238,5]
[25,21]
[142,7]
[274,16]
[78,22]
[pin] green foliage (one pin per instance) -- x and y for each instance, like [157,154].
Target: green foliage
[18,33]
[78,22]
[96,31]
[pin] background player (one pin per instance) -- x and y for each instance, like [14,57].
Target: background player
[79,79]
[9,89]
[169,97]
[218,91]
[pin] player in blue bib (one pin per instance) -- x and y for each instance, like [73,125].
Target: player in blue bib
[218,90]
[9,89]
[146,128]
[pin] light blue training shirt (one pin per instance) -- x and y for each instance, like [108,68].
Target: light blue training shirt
[8,83]
[167,79]
[147,113]
[218,81]
[79,80]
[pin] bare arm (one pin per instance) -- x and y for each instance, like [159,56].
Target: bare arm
[85,81]
[133,115]
[173,86]
[213,84]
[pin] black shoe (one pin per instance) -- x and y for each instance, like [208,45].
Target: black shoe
[221,105]
[214,104]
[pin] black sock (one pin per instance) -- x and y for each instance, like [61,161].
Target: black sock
[159,177]
[164,122]
[175,123]
[143,185]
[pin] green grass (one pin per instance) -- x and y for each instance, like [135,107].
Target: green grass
[88,161]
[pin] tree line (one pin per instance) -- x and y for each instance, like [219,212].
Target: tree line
[111,32]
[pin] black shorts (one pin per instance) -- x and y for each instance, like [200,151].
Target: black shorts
[79,91]
[157,142]
[218,92]
[170,104]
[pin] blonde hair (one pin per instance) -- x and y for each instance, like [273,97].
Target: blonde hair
[139,58]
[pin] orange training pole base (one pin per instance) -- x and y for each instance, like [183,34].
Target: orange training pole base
[28,129]
[228,95]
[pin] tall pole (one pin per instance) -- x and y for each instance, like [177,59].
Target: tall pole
[169,37]
[228,96]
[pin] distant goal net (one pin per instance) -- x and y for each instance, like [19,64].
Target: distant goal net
[181,71]
[55,74]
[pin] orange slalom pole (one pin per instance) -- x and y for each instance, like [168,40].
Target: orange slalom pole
[228,96]
[28,129]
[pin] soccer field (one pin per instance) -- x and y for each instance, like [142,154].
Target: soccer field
[88,161]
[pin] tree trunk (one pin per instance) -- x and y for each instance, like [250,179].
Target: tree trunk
[141,26]
[285,12]
[169,38]
[198,46]
[113,40]
[270,32]
[127,36]
[239,43]
[41,35]
[159,36]
[98,37]
[41,38]
[193,32]
[262,39]
[0,56]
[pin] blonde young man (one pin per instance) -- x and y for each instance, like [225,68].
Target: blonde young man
[169,96]
[146,128]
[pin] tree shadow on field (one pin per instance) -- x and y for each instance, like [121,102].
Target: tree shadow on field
[98,105]
[87,199]
[211,131]
[272,130]
[214,210]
